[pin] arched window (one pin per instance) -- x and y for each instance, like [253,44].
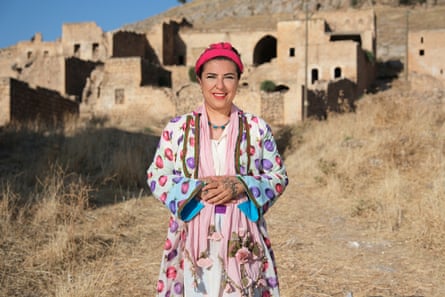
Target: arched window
[314,75]
[265,50]
[337,72]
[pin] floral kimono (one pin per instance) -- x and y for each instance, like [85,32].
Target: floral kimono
[173,179]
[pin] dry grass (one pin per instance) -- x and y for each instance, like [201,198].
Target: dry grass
[385,162]
[367,190]
[363,212]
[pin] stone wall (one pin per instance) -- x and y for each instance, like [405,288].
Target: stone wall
[272,107]
[8,62]
[30,104]
[198,40]
[85,41]
[149,107]
[341,96]
[154,75]
[129,44]
[425,48]
[366,71]
[76,74]
[36,62]
[361,22]
[335,96]
[174,49]
[5,101]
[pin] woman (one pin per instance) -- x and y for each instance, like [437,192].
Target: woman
[217,169]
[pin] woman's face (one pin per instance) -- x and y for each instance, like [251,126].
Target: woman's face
[219,83]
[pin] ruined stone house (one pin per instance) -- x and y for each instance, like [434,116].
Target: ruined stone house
[425,47]
[340,48]
[130,75]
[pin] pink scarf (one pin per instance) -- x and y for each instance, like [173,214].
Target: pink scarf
[234,220]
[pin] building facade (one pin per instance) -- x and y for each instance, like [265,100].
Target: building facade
[119,73]
[424,49]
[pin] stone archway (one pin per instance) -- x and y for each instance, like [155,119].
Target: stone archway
[265,50]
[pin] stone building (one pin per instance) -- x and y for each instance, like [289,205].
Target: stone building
[105,73]
[340,46]
[145,75]
[62,65]
[424,49]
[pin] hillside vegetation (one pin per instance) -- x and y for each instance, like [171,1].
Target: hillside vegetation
[363,213]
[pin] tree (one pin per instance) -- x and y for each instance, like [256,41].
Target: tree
[182,1]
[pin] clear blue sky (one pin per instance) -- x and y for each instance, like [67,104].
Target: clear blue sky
[21,19]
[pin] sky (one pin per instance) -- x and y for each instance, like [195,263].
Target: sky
[21,19]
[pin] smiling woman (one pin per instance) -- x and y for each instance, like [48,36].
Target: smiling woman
[217,170]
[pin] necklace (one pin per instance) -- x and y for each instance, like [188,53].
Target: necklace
[218,127]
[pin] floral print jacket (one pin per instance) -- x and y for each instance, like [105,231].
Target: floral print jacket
[173,179]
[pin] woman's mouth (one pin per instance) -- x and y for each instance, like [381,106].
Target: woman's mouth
[220,96]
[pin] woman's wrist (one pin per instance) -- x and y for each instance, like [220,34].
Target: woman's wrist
[233,188]
[236,187]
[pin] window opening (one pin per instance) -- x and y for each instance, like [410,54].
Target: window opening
[95,49]
[292,52]
[76,49]
[337,72]
[422,52]
[119,96]
[314,75]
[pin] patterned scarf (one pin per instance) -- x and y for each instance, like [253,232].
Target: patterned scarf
[197,242]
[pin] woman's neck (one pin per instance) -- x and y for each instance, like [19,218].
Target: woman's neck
[217,121]
[218,118]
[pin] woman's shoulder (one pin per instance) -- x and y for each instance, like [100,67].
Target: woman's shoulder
[254,120]
[179,120]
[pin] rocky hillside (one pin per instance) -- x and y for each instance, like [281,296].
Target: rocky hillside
[391,20]
[210,14]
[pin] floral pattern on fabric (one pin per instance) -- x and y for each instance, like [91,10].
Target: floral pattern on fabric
[172,178]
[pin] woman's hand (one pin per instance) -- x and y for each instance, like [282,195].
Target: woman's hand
[221,189]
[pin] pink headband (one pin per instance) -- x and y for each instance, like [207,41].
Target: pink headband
[221,49]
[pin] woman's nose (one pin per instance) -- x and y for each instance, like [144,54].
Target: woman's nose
[220,82]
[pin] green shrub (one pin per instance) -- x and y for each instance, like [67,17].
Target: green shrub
[370,57]
[192,74]
[268,86]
